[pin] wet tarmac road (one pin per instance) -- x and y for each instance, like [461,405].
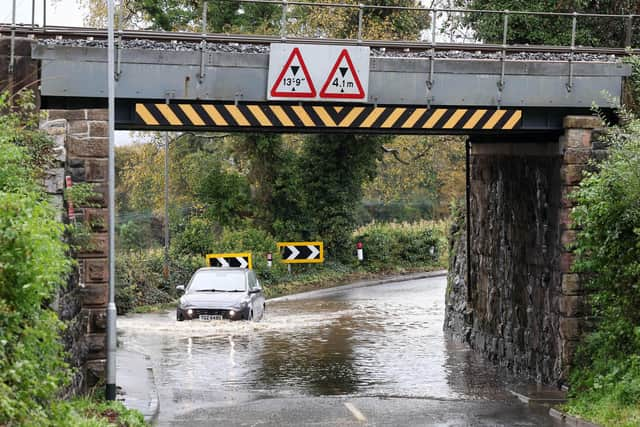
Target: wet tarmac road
[366,356]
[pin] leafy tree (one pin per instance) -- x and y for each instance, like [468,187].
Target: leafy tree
[174,15]
[227,197]
[140,174]
[551,30]
[275,180]
[333,169]
[342,22]
[421,172]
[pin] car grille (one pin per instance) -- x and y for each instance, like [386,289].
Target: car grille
[213,312]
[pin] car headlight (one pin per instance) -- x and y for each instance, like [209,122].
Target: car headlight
[190,312]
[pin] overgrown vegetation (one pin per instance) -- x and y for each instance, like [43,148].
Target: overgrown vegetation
[33,265]
[551,30]
[389,248]
[605,384]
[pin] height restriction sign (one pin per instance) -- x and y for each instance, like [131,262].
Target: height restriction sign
[318,73]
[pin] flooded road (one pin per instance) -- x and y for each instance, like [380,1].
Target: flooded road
[372,355]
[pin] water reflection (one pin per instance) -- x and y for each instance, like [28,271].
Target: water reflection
[321,362]
[378,341]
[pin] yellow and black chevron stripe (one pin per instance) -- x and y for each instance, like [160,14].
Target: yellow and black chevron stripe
[306,117]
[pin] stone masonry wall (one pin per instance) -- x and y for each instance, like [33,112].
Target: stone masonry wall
[82,143]
[525,309]
[579,145]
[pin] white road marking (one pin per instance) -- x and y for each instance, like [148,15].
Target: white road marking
[355,411]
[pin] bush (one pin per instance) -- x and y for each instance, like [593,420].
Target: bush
[196,238]
[140,280]
[389,245]
[607,372]
[33,264]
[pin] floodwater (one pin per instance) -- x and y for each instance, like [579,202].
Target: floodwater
[381,342]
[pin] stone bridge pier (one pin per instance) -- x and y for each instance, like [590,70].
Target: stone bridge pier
[521,306]
[82,145]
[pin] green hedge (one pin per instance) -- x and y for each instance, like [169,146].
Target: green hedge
[140,280]
[390,245]
[33,265]
[605,381]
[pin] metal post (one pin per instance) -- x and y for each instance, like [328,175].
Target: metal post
[33,14]
[574,24]
[468,216]
[111,307]
[503,56]
[283,21]
[165,269]
[13,41]
[432,58]
[628,36]
[360,13]
[203,43]
[44,15]
[118,71]
[204,17]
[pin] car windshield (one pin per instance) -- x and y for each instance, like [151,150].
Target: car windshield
[218,281]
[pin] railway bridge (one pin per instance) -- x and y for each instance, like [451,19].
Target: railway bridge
[527,112]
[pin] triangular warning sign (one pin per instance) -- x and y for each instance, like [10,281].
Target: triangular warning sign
[343,81]
[294,80]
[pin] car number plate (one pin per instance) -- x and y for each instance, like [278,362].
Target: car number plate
[210,317]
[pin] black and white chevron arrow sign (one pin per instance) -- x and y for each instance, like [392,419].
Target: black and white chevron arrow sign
[242,260]
[301,252]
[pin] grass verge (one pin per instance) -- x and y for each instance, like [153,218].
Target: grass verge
[92,412]
[603,411]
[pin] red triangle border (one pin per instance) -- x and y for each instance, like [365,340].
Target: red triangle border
[359,95]
[274,93]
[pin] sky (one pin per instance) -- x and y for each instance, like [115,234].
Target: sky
[59,12]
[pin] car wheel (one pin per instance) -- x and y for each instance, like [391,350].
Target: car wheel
[179,317]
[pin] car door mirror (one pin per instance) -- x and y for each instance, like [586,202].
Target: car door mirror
[180,288]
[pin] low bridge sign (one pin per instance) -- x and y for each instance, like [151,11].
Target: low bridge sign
[239,260]
[301,252]
[318,72]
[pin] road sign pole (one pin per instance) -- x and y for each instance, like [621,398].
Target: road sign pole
[165,269]
[110,391]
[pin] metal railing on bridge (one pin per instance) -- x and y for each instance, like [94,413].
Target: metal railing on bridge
[442,23]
